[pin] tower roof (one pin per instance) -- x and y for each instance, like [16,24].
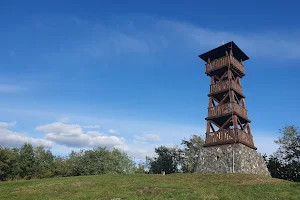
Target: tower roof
[221,51]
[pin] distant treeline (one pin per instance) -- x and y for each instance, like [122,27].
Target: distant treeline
[28,162]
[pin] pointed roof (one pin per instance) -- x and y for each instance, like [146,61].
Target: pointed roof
[221,51]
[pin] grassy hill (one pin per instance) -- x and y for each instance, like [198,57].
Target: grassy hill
[174,186]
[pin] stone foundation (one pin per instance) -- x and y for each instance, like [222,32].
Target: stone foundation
[231,158]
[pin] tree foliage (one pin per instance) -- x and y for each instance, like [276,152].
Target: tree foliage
[190,153]
[285,162]
[28,162]
[140,169]
[174,159]
[166,161]
[8,163]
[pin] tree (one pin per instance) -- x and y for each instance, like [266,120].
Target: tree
[76,163]
[285,162]
[140,169]
[8,163]
[15,170]
[289,143]
[167,160]
[275,167]
[190,153]
[61,167]
[44,163]
[121,163]
[98,161]
[26,161]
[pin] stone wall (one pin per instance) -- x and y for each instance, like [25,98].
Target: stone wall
[231,158]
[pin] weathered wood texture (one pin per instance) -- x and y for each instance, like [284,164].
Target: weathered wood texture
[228,60]
[229,136]
[225,109]
[227,120]
[224,86]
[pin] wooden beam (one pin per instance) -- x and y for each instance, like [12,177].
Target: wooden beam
[238,81]
[212,80]
[225,73]
[243,102]
[213,103]
[248,129]
[215,124]
[231,96]
[228,120]
[224,98]
[210,102]
[241,125]
[233,77]
[236,98]
[216,77]
[237,72]
[215,99]
[229,74]
[234,120]
[208,126]
[212,128]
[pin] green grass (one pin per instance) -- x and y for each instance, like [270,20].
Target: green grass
[174,186]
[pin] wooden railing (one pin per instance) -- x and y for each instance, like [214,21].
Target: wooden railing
[237,64]
[227,108]
[224,85]
[218,63]
[227,136]
[224,61]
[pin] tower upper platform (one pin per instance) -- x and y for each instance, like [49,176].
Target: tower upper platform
[221,52]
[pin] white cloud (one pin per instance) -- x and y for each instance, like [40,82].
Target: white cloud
[7,124]
[94,133]
[152,137]
[92,127]
[139,138]
[258,44]
[61,128]
[159,35]
[72,135]
[147,137]
[112,131]
[14,139]
[64,119]
[140,154]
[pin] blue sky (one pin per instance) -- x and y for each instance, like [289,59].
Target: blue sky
[78,75]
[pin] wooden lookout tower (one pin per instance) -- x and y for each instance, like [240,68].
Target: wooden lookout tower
[227,120]
[229,146]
